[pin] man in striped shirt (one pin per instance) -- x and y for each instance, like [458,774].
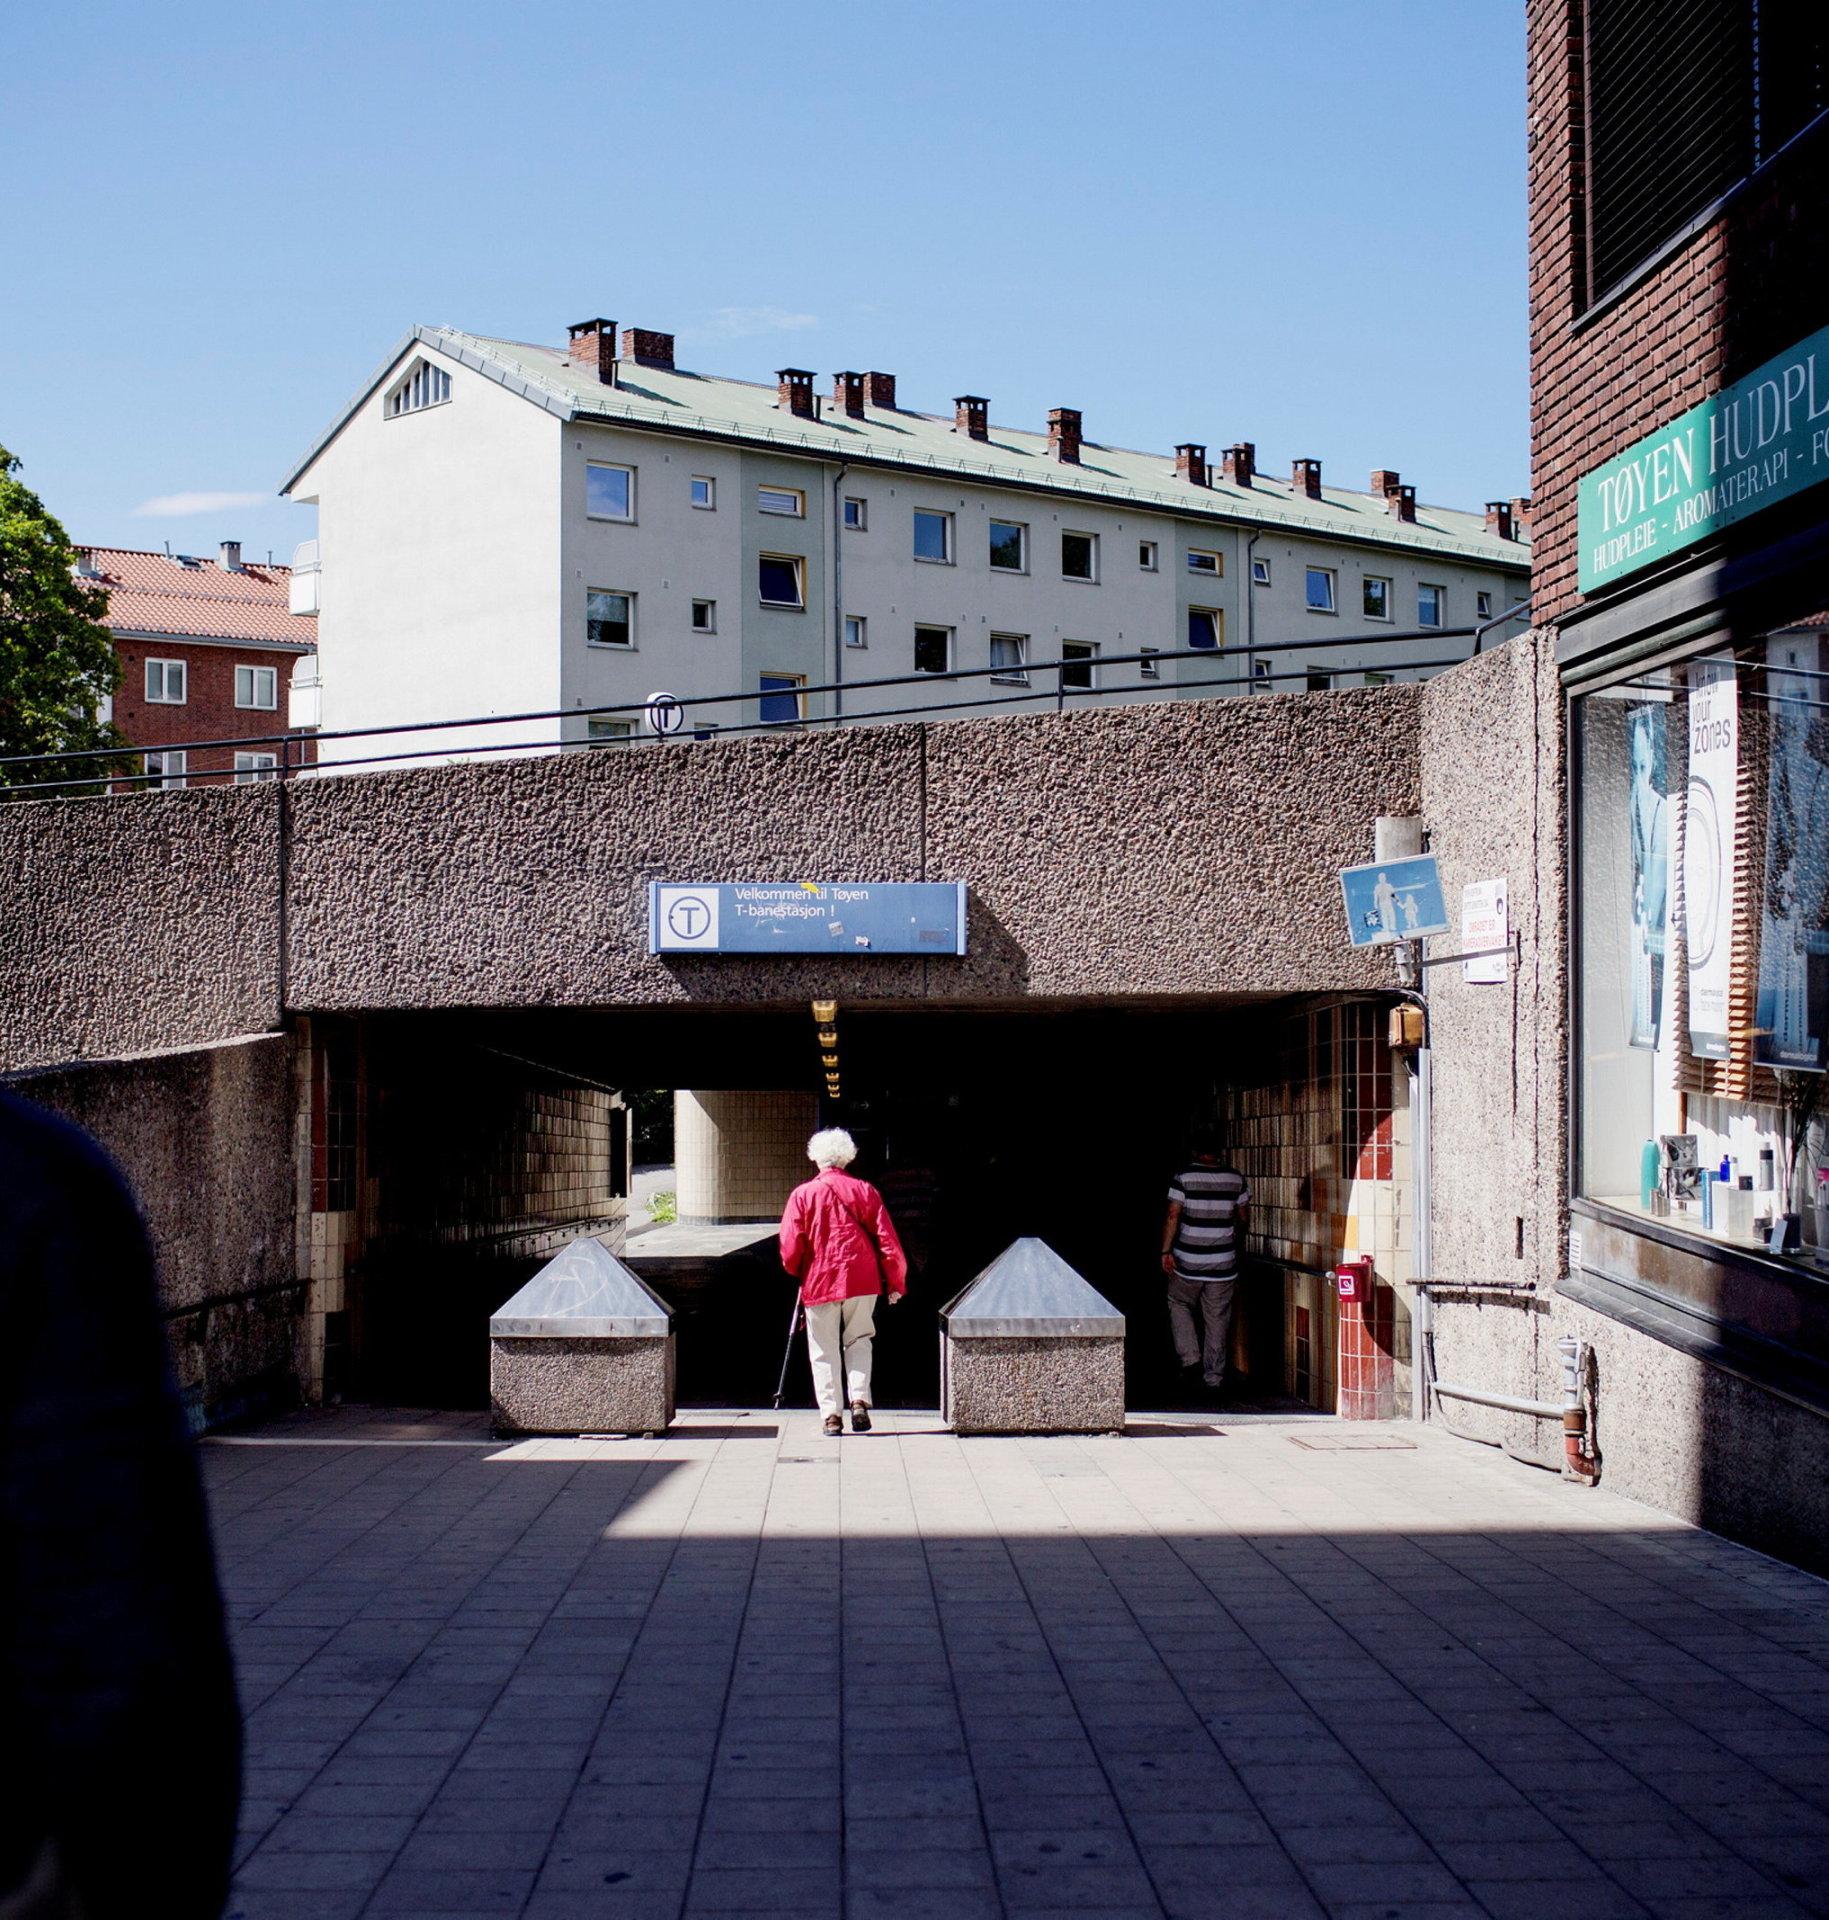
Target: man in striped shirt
[1200,1256]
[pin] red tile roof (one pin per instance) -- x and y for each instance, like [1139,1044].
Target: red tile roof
[156,593]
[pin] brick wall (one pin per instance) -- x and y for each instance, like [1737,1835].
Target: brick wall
[1737,293]
[209,711]
[1320,1126]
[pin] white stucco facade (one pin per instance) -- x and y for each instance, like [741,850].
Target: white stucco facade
[462,543]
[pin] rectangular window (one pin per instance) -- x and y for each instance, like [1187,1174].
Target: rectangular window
[1429,606]
[1737,78]
[601,729]
[857,630]
[1373,678]
[855,511]
[1205,560]
[1009,547]
[789,501]
[609,618]
[1010,656]
[1079,556]
[250,767]
[1701,956]
[1320,589]
[704,616]
[782,702]
[166,682]
[1206,629]
[704,491]
[1150,669]
[1316,680]
[933,536]
[1482,606]
[167,768]
[933,649]
[257,687]
[1260,573]
[1079,665]
[781,579]
[1146,555]
[609,492]
[1260,670]
[1375,597]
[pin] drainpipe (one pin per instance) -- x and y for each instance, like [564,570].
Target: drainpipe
[1422,1323]
[1581,1460]
[838,591]
[1251,615]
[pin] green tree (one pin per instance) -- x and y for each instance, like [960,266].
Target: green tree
[57,660]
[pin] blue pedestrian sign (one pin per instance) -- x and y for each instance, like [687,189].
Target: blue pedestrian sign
[806,916]
[1393,900]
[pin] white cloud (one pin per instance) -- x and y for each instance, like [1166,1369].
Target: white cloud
[738,323]
[179,506]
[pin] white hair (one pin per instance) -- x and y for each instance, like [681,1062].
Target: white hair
[834,1147]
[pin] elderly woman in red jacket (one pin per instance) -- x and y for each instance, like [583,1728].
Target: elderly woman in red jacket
[838,1241]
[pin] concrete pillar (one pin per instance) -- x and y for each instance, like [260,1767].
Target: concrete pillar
[738,1155]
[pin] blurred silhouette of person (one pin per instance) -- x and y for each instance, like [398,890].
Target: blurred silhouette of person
[116,1690]
[1200,1235]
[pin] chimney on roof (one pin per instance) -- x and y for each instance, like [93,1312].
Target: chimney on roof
[1521,512]
[1305,477]
[228,555]
[1064,434]
[879,390]
[592,343]
[1400,504]
[647,348]
[1191,462]
[86,569]
[848,391]
[972,416]
[794,390]
[1498,519]
[1385,481]
[1241,463]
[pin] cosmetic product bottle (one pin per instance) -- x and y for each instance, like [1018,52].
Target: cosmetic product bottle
[1766,1169]
[1741,1226]
[1725,1172]
[1647,1174]
[1705,1188]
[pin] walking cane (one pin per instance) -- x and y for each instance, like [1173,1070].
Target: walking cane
[793,1327]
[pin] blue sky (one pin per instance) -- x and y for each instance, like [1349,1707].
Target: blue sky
[1299,224]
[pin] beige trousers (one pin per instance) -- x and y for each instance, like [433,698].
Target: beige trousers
[839,1333]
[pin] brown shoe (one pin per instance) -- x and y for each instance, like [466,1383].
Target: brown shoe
[835,1424]
[860,1417]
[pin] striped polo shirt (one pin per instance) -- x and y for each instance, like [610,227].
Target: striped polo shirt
[1206,1235]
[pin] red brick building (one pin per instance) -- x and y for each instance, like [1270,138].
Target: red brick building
[207,649]
[1679,214]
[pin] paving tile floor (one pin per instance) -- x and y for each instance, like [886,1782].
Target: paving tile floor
[1196,1671]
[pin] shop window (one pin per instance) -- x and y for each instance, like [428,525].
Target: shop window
[1703,942]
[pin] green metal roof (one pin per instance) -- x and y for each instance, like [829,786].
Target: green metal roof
[672,400]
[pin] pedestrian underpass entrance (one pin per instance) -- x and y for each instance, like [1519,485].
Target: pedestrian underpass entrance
[469,1147]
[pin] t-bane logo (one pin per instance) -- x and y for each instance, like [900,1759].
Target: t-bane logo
[688,918]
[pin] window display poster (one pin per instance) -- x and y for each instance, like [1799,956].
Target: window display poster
[1648,820]
[1710,827]
[1792,1012]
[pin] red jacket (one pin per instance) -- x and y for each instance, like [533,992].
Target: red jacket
[833,1231]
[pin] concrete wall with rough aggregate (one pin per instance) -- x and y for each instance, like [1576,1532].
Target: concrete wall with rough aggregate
[204,1139]
[139,922]
[1492,774]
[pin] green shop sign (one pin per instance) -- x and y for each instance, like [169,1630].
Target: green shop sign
[1743,449]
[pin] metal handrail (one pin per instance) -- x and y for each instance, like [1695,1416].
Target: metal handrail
[1049,671]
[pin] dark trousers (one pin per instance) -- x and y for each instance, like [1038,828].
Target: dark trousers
[1207,1349]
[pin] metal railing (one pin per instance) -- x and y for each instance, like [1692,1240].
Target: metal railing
[1057,682]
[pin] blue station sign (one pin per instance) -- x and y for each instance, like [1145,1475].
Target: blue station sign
[1394,900]
[806,916]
